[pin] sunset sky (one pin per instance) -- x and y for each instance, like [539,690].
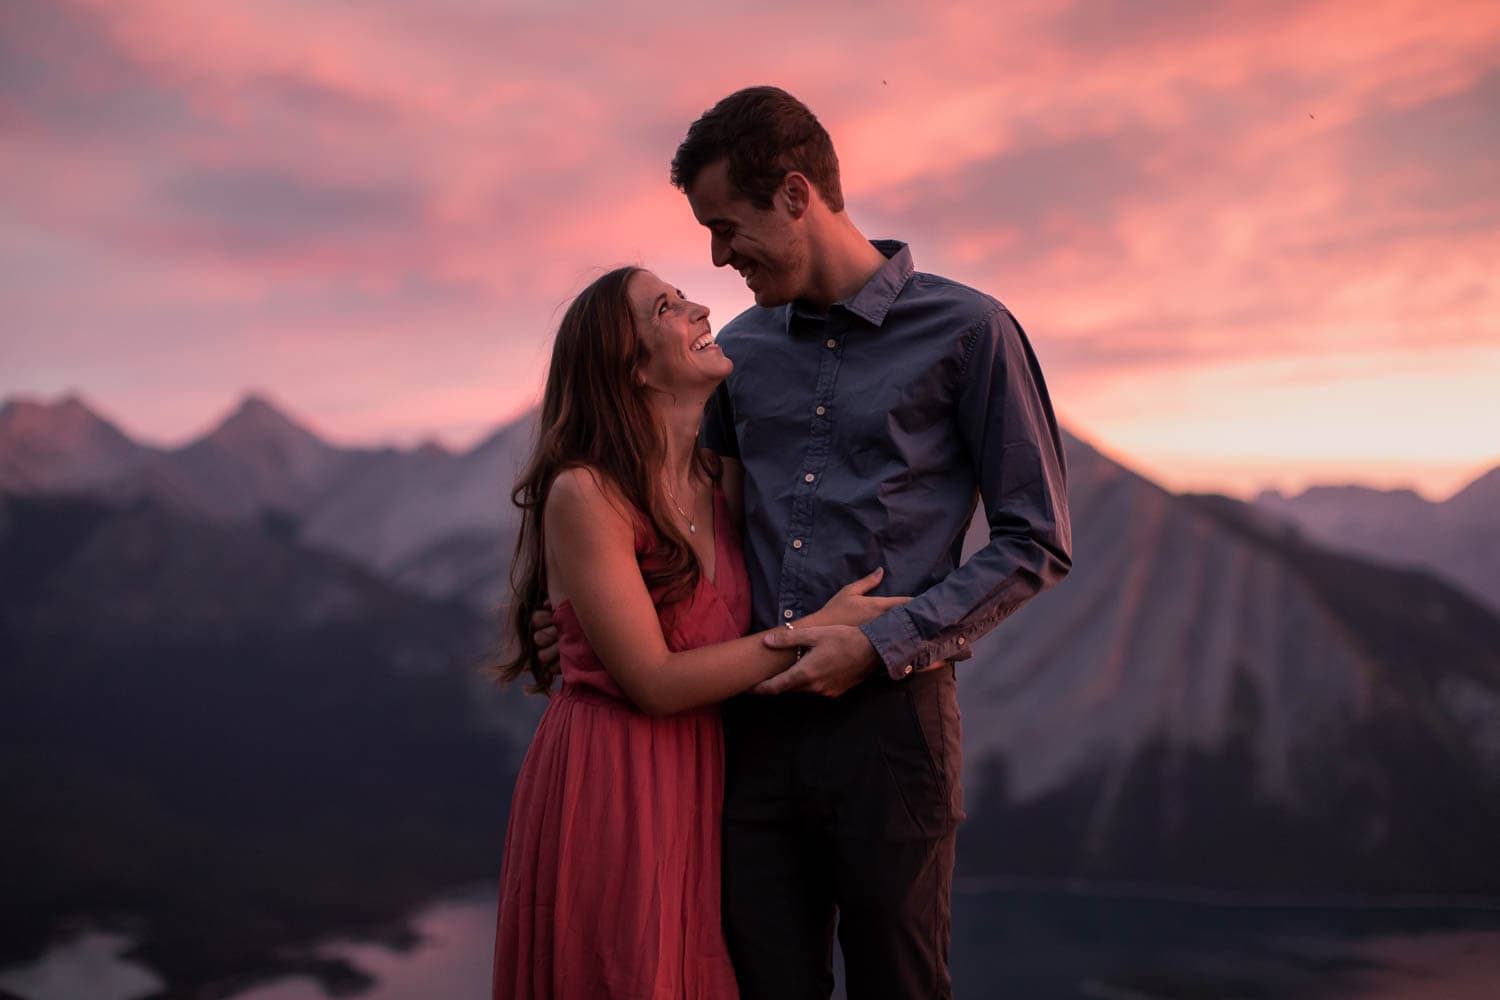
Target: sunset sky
[1252,243]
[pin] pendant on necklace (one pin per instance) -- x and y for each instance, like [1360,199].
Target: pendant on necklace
[692,528]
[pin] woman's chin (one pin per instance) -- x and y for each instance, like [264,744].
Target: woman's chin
[717,365]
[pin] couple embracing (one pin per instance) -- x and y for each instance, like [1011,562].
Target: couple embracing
[750,551]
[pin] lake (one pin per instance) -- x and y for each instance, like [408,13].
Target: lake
[1011,939]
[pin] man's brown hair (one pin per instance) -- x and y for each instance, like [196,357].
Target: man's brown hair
[763,132]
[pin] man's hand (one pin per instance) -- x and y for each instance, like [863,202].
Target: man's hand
[544,634]
[837,658]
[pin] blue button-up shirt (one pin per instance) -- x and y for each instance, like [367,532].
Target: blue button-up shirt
[868,433]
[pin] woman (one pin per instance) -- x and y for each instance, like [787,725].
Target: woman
[609,885]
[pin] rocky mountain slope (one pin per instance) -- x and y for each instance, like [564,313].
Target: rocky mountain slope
[1211,699]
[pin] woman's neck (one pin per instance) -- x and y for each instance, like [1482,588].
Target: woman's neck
[680,424]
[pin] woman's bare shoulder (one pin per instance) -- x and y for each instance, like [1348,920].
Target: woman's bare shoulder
[581,491]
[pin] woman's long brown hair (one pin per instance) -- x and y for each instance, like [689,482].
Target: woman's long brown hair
[594,415]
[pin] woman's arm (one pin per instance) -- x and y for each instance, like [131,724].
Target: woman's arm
[591,562]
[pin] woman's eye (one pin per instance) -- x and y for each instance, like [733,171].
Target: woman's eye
[664,307]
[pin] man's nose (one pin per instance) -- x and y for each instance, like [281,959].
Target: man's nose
[718,249]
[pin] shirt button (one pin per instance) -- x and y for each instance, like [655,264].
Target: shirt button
[830,343]
[796,543]
[820,411]
[960,640]
[808,478]
[907,669]
[787,613]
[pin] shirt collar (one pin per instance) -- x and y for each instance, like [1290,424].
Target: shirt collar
[874,300]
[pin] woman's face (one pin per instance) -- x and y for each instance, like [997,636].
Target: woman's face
[681,355]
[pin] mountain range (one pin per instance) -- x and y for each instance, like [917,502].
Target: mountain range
[1457,538]
[438,521]
[254,655]
[441,522]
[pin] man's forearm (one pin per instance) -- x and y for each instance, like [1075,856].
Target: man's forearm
[943,621]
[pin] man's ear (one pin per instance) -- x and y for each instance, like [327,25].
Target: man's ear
[796,191]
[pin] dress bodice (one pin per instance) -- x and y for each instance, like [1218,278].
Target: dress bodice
[717,611]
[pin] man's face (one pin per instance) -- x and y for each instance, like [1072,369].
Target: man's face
[766,246]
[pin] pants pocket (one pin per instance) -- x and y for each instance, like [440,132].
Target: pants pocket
[934,707]
[917,749]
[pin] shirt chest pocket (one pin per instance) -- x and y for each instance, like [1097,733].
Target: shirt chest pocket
[770,423]
[897,423]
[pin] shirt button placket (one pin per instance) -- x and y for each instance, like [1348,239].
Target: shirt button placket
[816,458]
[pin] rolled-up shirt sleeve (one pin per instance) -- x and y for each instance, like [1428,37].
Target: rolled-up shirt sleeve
[1005,419]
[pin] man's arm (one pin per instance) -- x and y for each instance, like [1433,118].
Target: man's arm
[1006,422]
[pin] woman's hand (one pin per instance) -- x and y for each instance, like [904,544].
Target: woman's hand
[853,605]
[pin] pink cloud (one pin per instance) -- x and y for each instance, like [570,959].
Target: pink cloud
[266,193]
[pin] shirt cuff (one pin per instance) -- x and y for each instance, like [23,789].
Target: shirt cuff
[896,640]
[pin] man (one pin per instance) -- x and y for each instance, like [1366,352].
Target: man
[868,405]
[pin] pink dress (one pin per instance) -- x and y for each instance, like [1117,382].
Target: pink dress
[609,885]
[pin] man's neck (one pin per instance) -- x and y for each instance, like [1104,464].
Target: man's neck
[844,261]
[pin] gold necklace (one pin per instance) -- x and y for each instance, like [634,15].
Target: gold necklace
[692,525]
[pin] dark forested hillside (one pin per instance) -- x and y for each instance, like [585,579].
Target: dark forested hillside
[237,745]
